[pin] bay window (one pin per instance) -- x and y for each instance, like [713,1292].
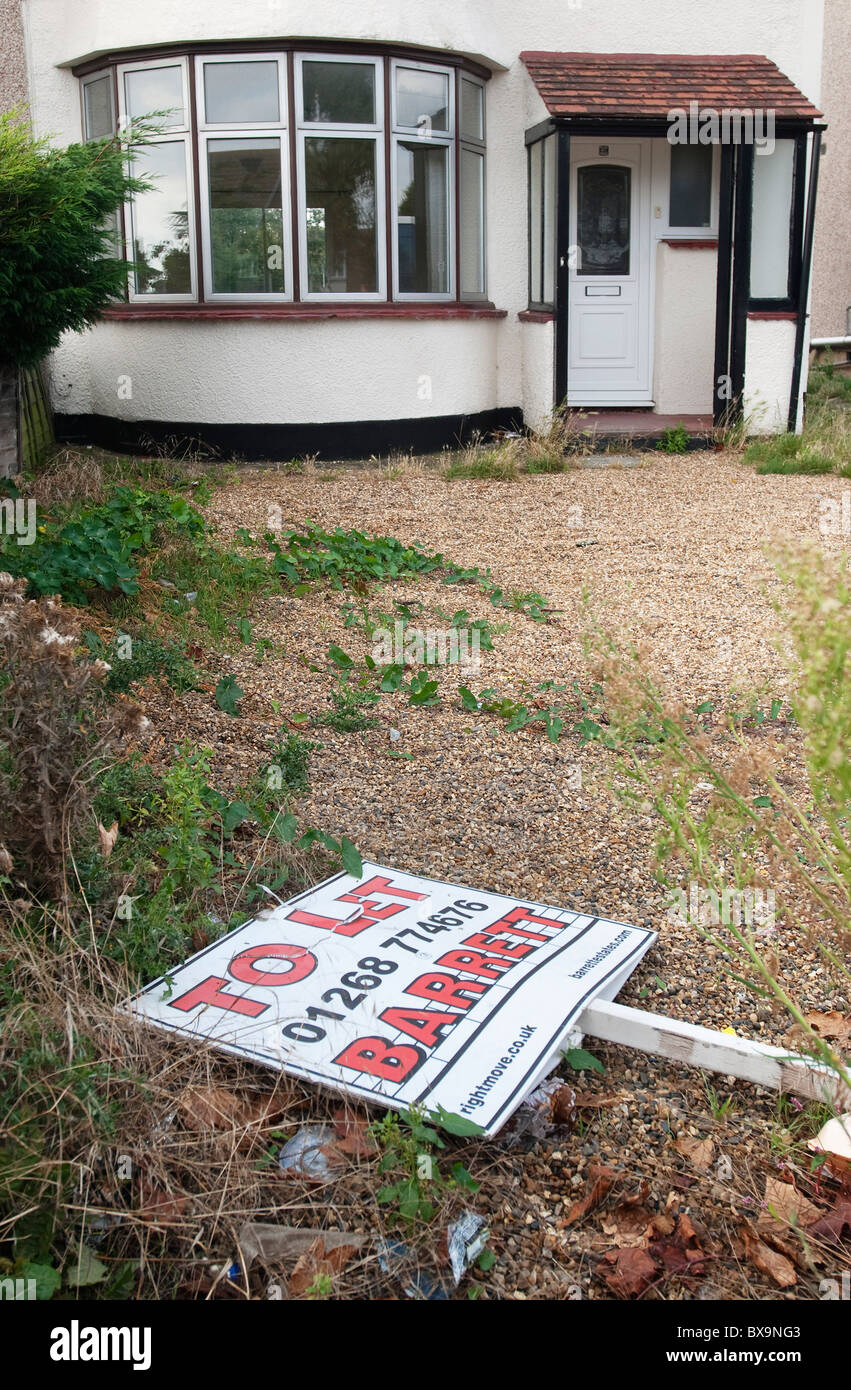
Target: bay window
[283,176]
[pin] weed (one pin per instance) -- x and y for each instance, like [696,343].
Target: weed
[135,658]
[675,440]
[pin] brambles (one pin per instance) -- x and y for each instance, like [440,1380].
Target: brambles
[56,729]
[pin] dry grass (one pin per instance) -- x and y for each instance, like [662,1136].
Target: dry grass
[154,1151]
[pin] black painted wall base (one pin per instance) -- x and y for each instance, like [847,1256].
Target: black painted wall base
[353,439]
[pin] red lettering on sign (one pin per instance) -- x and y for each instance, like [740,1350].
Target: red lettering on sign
[446,989]
[210,992]
[489,967]
[423,1024]
[378,884]
[378,1058]
[497,945]
[302,964]
[524,914]
[342,928]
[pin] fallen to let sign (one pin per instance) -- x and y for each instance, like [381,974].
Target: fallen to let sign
[402,990]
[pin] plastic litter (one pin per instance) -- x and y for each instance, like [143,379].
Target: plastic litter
[270,1243]
[466,1238]
[396,1259]
[307,1154]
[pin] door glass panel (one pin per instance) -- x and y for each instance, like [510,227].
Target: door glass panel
[241,93]
[603,219]
[246,217]
[342,249]
[160,221]
[340,93]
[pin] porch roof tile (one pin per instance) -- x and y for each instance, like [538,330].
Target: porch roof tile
[651,85]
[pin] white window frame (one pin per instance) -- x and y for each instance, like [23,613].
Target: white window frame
[145,65]
[243,133]
[431,296]
[84,83]
[472,140]
[672,233]
[254,127]
[475,296]
[323,131]
[173,134]
[353,127]
[433,135]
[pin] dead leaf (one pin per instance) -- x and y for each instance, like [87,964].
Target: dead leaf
[316,1262]
[630,1222]
[699,1152]
[353,1136]
[680,1250]
[831,1025]
[784,1206]
[601,1181]
[160,1207]
[107,838]
[588,1100]
[632,1272]
[831,1228]
[215,1107]
[766,1260]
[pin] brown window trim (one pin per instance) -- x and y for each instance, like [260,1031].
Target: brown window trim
[300,45]
[708,244]
[375,310]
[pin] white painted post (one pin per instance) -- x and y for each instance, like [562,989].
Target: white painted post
[774,1067]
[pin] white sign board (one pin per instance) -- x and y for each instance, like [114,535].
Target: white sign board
[402,990]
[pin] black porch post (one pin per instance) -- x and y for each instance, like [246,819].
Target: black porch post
[741,274]
[804,286]
[722,396]
[562,239]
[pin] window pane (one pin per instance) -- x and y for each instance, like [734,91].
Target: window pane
[343,93]
[155,89]
[422,99]
[160,221]
[773,183]
[536,158]
[472,110]
[246,216]
[549,218]
[603,198]
[97,104]
[691,186]
[472,222]
[423,221]
[240,93]
[342,250]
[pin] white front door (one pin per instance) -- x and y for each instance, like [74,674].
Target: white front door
[609,337]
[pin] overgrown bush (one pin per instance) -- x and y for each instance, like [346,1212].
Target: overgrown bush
[56,729]
[58,264]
